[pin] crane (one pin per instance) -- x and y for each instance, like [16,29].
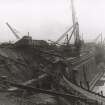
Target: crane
[73,31]
[98,37]
[66,34]
[15,34]
[74,28]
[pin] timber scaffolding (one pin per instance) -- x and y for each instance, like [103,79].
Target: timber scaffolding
[81,95]
[68,91]
[69,77]
[64,73]
[49,70]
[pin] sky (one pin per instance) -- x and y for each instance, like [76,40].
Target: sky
[49,19]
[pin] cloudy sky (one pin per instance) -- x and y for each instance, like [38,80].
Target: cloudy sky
[48,19]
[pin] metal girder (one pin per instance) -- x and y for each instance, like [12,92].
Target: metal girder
[17,36]
[64,34]
[38,90]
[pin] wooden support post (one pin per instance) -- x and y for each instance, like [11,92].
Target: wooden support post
[85,77]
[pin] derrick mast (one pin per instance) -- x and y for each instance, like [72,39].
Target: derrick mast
[73,12]
[76,31]
[67,47]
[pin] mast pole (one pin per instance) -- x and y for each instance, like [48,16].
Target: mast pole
[76,27]
[73,17]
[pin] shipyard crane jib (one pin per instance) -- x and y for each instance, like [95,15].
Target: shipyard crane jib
[74,32]
[65,33]
[13,31]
